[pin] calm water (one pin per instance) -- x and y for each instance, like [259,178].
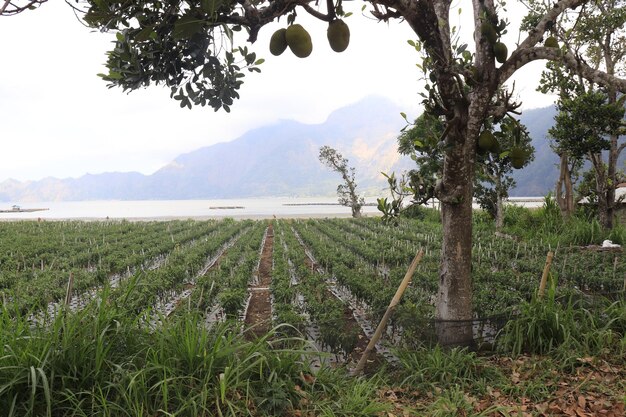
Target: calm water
[250,207]
[164,209]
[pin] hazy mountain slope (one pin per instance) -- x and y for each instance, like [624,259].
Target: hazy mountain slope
[280,159]
[540,175]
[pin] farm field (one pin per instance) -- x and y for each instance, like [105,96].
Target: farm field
[203,318]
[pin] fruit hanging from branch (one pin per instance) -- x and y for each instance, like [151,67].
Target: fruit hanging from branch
[518,157]
[551,42]
[501,52]
[299,41]
[338,35]
[278,42]
[487,141]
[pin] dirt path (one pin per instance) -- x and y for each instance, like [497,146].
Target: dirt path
[259,314]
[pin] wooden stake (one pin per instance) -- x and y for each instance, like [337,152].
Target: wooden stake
[392,307]
[546,271]
[70,286]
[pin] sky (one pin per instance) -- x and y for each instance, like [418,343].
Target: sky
[57,118]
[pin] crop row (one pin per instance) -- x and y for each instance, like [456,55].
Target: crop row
[35,288]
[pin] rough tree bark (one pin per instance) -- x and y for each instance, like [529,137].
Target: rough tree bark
[564,189]
[499,204]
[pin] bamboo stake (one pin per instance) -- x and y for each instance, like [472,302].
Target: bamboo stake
[546,271]
[70,286]
[392,307]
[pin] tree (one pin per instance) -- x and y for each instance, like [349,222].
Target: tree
[513,151]
[589,121]
[421,143]
[346,191]
[494,163]
[188,46]
[585,127]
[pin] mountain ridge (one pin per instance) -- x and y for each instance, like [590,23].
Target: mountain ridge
[281,159]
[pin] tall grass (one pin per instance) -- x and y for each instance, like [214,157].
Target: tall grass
[103,361]
[566,329]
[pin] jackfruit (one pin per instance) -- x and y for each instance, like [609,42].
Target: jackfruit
[518,157]
[338,35]
[551,42]
[299,41]
[489,32]
[278,42]
[500,51]
[486,141]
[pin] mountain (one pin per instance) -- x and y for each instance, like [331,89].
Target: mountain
[540,176]
[275,160]
[281,160]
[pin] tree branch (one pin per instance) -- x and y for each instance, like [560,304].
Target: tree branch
[547,22]
[521,57]
[621,148]
[5,11]
[321,16]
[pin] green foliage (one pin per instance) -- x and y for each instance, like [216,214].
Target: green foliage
[188,48]
[600,119]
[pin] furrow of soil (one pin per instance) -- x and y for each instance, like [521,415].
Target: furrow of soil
[259,313]
[350,323]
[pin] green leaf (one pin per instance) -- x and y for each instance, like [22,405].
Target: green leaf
[210,6]
[144,34]
[187,26]
[119,36]
[418,143]
[259,61]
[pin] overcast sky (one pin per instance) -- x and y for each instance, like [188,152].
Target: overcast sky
[57,118]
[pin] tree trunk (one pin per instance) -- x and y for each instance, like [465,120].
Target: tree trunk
[564,188]
[611,178]
[499,205]
[454,304]
[455,283]
[604,217]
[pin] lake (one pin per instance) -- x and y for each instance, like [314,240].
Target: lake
[201,209]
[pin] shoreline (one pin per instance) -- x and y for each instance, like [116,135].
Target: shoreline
[237,217]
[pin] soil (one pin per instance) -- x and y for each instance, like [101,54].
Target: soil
[259,315]
[374,360]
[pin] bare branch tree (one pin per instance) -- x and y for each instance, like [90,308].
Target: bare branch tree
[346,191]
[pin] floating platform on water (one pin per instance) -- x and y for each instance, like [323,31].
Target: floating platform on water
[23,210]
[226,208]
